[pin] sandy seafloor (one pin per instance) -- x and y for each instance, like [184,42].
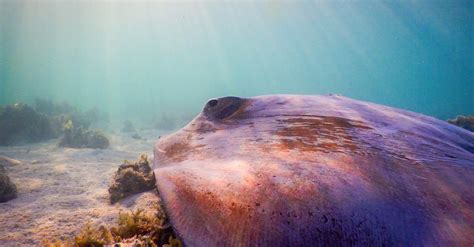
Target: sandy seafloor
[60,189]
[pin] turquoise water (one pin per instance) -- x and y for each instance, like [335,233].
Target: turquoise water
[160,58]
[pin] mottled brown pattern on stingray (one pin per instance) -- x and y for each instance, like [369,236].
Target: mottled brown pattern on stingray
[318,134]
[229,215]
[204,127]
[267,212]
[179,151]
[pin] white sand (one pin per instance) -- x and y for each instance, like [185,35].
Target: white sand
[60,189]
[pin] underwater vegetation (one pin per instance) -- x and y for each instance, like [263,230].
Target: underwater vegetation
[466,122]
[79,137]
[132,178]
[64,112]
[137,227]
[21,123]
[7,188]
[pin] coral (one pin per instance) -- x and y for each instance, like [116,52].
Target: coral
[128,127]
[466,122]
[132,178]
[78,137]
[7,188]
[20,123]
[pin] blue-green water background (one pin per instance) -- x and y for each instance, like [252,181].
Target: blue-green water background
[135,59]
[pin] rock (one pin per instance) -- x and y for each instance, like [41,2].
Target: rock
[466,122]
[82,138]
[136,136]
[20,124]
[132,178]
[5,161]
[96,139]
[7,188]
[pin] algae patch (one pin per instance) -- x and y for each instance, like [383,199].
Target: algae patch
[132,178]
[136,228]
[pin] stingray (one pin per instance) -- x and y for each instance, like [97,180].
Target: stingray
[288,170]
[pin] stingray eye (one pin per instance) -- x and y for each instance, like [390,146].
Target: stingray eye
[223,107]
[212,102]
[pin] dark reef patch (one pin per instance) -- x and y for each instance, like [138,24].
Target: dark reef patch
[78,137]
[7,188]
[19,124]
[22,124]
[465,122]
[132,178]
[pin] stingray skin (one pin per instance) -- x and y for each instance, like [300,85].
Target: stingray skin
[292,170]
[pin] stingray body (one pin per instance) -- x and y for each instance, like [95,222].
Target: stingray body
[286,170]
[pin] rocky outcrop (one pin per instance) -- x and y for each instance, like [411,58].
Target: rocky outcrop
[19,123]
[5,161]
[466,122]
[132,178]
[7,188]
[82,138]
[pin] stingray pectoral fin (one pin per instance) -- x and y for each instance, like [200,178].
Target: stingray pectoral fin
[291,170]
[204,205]
[239,203]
